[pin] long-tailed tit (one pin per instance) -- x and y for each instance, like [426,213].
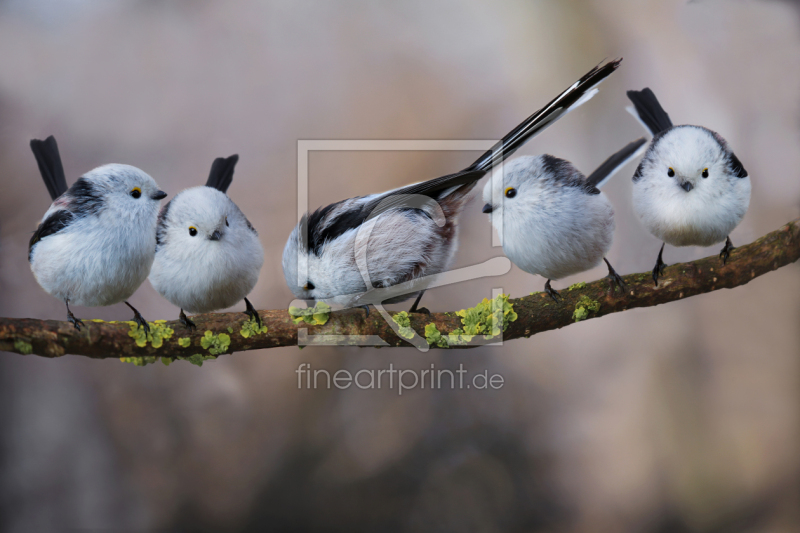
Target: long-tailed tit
[553,220]
[690,189]
[412,231]
[208,255]
[96,243]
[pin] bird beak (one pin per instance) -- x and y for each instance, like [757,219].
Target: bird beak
[217,235]
[487,208]
[687,186]
[160,195]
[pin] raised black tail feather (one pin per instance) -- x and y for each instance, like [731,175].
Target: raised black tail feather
[50,167]
[649,110]
[221,174]
[543,117]
[611,164]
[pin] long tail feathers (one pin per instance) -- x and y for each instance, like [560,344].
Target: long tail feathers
[221,174]
[577,94]
[50,167]
[648,111]
[610,166]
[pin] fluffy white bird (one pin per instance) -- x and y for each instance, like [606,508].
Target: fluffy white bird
[553,220]
[208,255]
[410,234]
[96,243]
[690,188]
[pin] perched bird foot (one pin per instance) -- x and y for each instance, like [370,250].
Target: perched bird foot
[252,313]
[658,270]
[139,319]
[365,308]
[614,279]
[76,322]
[187,322]
[726,250]
[552,292]
[421,310]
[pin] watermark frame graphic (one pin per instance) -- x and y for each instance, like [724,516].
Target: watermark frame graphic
[373,295]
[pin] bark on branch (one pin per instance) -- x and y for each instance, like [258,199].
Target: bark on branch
[536,313]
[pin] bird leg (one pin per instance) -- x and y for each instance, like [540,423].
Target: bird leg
[76,322]
[613,278]
[422,310]
[551,291]
[187,323]
[365,308]
[252,313]
[138,318]
[658,270]
[726,250]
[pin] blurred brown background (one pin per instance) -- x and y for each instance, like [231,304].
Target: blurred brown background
[684,417]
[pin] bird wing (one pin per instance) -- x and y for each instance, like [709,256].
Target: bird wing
[736,166]
[50,167]
[565,174]
[55,222]
[161,225]
[79,201]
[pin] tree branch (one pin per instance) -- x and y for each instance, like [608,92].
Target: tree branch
[536,313]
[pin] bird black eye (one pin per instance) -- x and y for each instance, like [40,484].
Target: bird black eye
[511,192]
[705,173]
[136,192]
[670,172]
[308,286]
[192,231]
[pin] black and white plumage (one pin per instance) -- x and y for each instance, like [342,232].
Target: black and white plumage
[208,255]
[553,220]
[96,242]
[405,234]
[690,189]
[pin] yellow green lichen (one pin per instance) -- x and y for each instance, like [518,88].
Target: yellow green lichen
[585,306]
[316,316]
[435,338]
[215,344]
[402,319]
[488,317]
[251,329]
[159,332]
[97,320]
[579,285]
[25,348]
